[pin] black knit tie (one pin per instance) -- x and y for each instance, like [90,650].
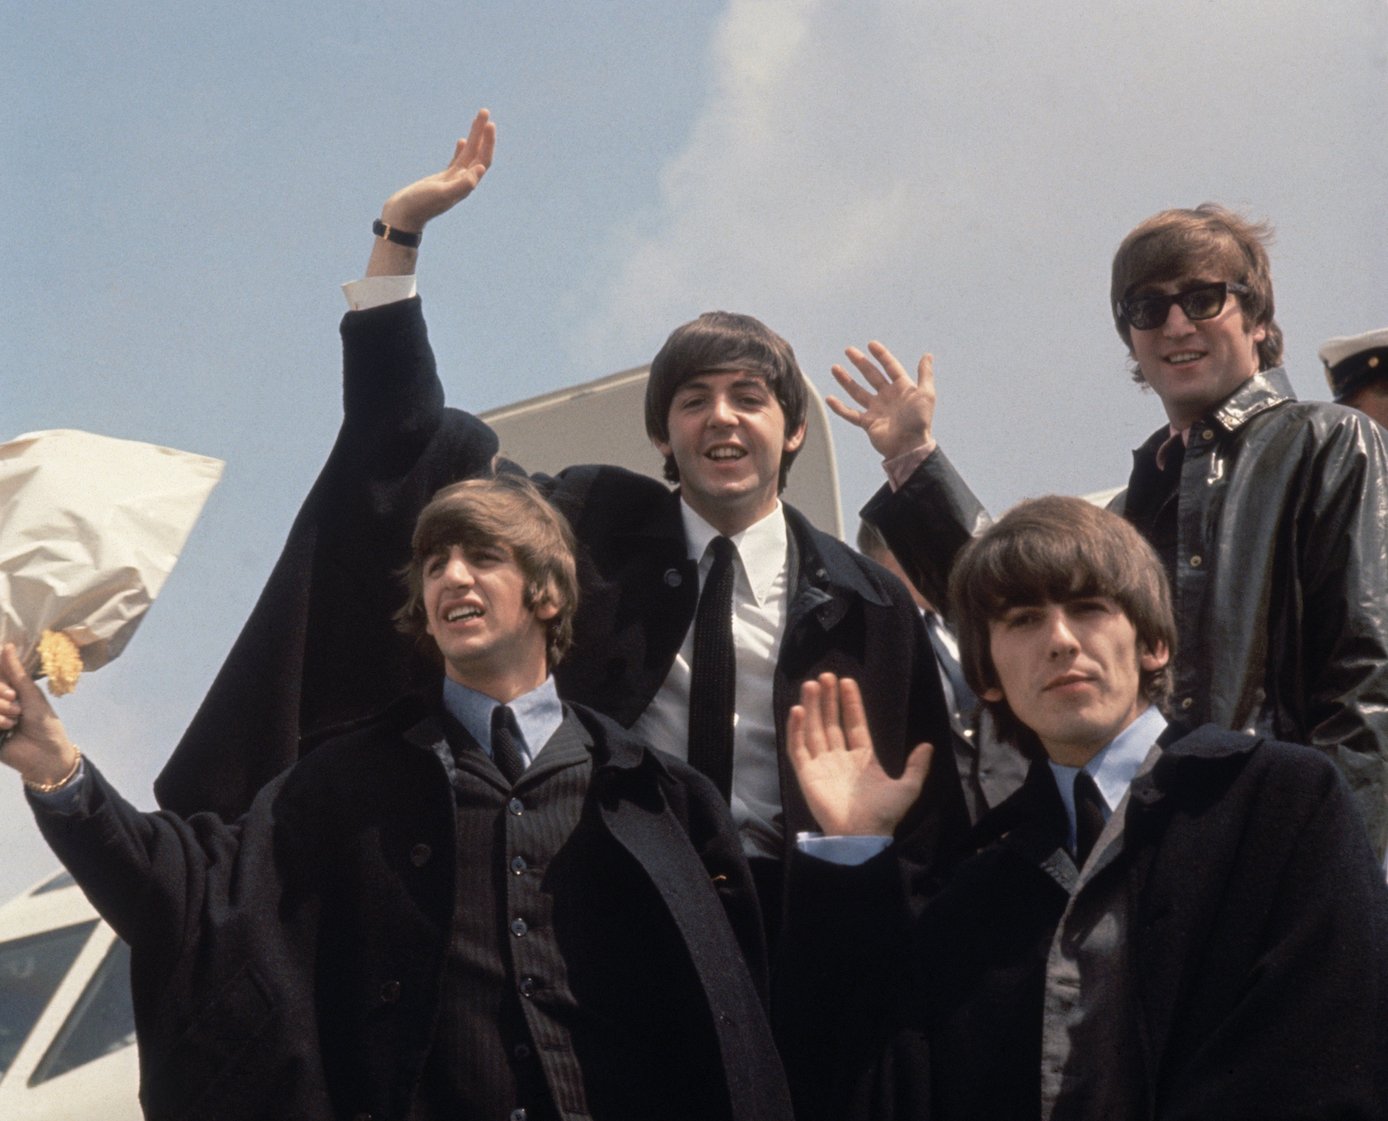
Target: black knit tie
[505,751]
[712,688]
[1089,815]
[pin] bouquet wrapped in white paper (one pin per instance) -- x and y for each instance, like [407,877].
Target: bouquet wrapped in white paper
[90,528]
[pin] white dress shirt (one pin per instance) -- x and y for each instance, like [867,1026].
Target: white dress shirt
[760,593]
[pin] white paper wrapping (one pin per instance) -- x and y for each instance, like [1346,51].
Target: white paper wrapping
[90,528]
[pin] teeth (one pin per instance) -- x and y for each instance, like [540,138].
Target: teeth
[1183,357]
[462,613]
[726,453]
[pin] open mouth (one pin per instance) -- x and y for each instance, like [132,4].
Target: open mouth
[1184,357]
[460,614]
[726,452]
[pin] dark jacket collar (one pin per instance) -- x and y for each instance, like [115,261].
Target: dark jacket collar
[1036,805]
[1207,744]
[825,562]
[829,563]
[1259,393]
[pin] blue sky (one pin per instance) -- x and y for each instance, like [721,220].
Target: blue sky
[184,187]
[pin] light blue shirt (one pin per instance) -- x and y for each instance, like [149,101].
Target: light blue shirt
[538,715]
[1114,767]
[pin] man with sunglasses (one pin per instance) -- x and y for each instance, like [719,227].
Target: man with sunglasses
[1270,515]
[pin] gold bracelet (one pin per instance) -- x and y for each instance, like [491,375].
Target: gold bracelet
[54,787]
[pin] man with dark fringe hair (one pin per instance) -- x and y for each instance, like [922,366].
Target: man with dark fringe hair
[437,913]
[1157,925]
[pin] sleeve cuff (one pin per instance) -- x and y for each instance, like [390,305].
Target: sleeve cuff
[377,291]
[841,850]
[66,800]
[900,467]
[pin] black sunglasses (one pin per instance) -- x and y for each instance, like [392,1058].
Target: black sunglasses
[1205,302]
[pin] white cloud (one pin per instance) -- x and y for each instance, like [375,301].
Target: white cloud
[955,176]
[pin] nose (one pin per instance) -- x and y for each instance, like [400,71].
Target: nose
[1061,639]
[721,411]
[1177,322]
[456,572]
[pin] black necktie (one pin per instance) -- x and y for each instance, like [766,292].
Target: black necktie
[1089,815]
[505,753]
[964,700]
[712,686]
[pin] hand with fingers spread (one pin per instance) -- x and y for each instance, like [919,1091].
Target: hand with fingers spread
[831,750]
[411,208]
[896,412]
[35,743]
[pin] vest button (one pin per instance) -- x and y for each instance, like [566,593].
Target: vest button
[390,992]
[518,864]
[1196,561]
[1208,434]
[519,927]
[420,854]
[673,579]
[518,1115]
[527,987]
[515,807]
[522,1050]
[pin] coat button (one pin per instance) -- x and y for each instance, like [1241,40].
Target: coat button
[527,986]
[519,927]
[1208,434]
[518,1115]
[420,854]
[673,579]
[515,807]
[390,992]
[521,1051]
[518,864]
[1196,561]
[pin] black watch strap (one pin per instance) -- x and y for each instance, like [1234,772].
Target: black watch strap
[400,237]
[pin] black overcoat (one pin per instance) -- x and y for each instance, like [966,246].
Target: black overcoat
[1259,953]
[320,649]
[289,966]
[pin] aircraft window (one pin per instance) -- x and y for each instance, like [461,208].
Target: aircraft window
[101,1021]
[30,971]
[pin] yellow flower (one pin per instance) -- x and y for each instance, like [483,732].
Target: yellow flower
[61,661]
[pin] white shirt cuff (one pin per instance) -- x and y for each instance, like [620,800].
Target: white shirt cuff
[377,291]
[841,850]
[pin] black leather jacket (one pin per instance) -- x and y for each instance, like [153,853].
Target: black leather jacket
[1278,550]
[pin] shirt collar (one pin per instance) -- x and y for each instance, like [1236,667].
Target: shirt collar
[1115,765]
[538,713]
[761,547]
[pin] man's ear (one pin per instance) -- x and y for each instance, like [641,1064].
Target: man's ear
[992,694]
[661,446]
[795,439]
[1154,659]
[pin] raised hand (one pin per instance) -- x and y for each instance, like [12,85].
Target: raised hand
[830,748]
[412,207]
[896,412]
